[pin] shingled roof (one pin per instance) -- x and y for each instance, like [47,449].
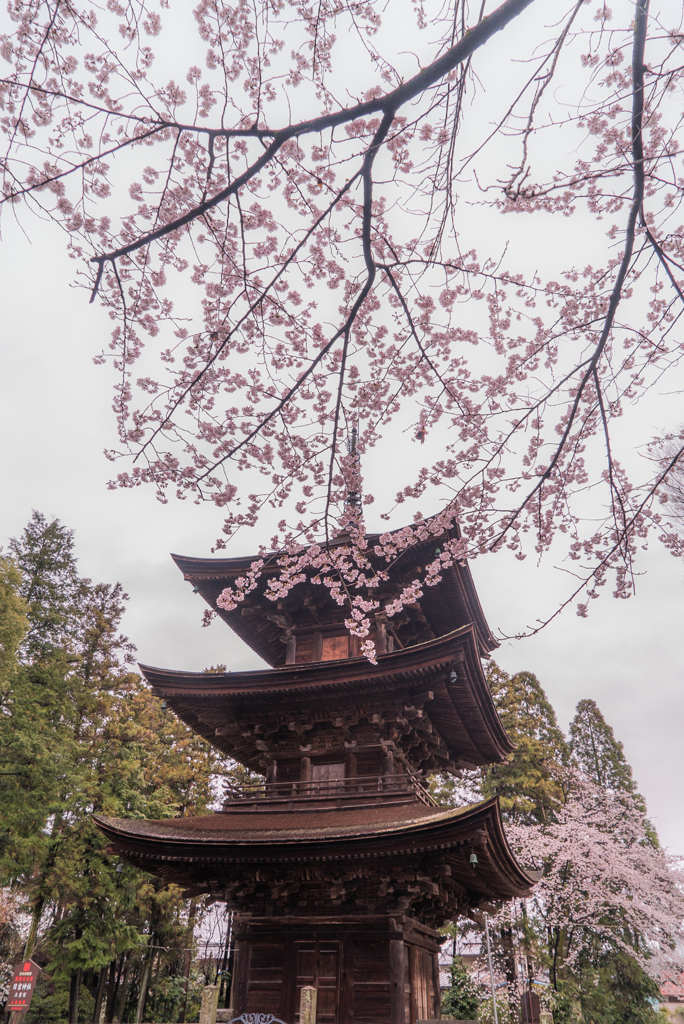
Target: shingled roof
[223,845]
[452,603]
[447,673]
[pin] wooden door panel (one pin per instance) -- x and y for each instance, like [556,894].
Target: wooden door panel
[318,964]
[265,978]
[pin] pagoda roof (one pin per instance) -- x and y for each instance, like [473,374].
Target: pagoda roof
[219,843]
[451,603]
[445,673]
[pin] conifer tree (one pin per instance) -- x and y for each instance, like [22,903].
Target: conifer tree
[595,750]
[601,757]
[80,733]
[44,557]
[527,787]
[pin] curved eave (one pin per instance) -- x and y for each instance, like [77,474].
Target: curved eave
[462,710]
[159,845]
[455,594]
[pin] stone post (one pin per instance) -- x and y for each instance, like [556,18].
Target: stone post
[307,1005]
[210,995]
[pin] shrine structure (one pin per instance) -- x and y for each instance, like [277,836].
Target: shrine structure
[336,860]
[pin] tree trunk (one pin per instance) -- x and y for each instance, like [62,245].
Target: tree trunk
[511,973]
[33,930]
[223,991]
[102,981]
[123,988]
[187,959]
[145,982]
[74,993]
[112,985]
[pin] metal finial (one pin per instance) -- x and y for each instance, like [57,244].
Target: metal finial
[353,499]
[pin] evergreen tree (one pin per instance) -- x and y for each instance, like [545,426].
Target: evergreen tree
[527,787]
[81,734]
[44,556]
[460,1000]
[601,757]
[595,750]
[13,620]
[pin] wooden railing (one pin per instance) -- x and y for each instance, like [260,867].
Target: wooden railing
[359,789]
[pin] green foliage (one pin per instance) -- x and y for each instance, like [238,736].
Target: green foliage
[525,785]
[614,989]
[461,999]
[50,584]
[596,752]
[80,734]
[13,621]
[456,791]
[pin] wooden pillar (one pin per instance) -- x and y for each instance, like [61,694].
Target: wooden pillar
[397,981]
[380,638]
[291,649]
[271,776]
[436,994]
[347,982]
[350,771]
[241,969]
[289,986]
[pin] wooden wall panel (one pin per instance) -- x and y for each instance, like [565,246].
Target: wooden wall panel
[265,978]
[371,983]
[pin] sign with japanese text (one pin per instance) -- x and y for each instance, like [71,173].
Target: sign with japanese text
[24,978]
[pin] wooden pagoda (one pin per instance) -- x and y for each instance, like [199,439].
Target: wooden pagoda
[337,862]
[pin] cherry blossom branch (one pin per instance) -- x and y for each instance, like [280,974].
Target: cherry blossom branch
[640,31]
[473,39]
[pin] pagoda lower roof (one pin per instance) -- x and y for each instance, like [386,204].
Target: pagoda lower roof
[446,673]
[221,846]
[449,604]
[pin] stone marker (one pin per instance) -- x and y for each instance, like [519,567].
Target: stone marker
[307,1005]
[545,1017]
[210,995]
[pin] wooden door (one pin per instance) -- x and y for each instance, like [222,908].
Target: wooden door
[264,977]
[422,984]
[318,964]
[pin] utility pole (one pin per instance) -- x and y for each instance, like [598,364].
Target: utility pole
[491,970]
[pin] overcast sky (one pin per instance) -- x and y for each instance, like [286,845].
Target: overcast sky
[56,419]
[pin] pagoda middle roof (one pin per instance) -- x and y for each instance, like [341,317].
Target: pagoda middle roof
[337,835]
[451,603]
[459,705]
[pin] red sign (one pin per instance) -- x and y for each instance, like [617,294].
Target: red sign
[24,979]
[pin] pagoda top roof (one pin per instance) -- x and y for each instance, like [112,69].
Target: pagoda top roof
[451,603]
[228,840]
[445,673]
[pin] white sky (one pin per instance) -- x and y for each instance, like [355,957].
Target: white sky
[55,421]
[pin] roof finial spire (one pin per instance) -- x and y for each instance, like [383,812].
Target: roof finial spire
[353,499]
